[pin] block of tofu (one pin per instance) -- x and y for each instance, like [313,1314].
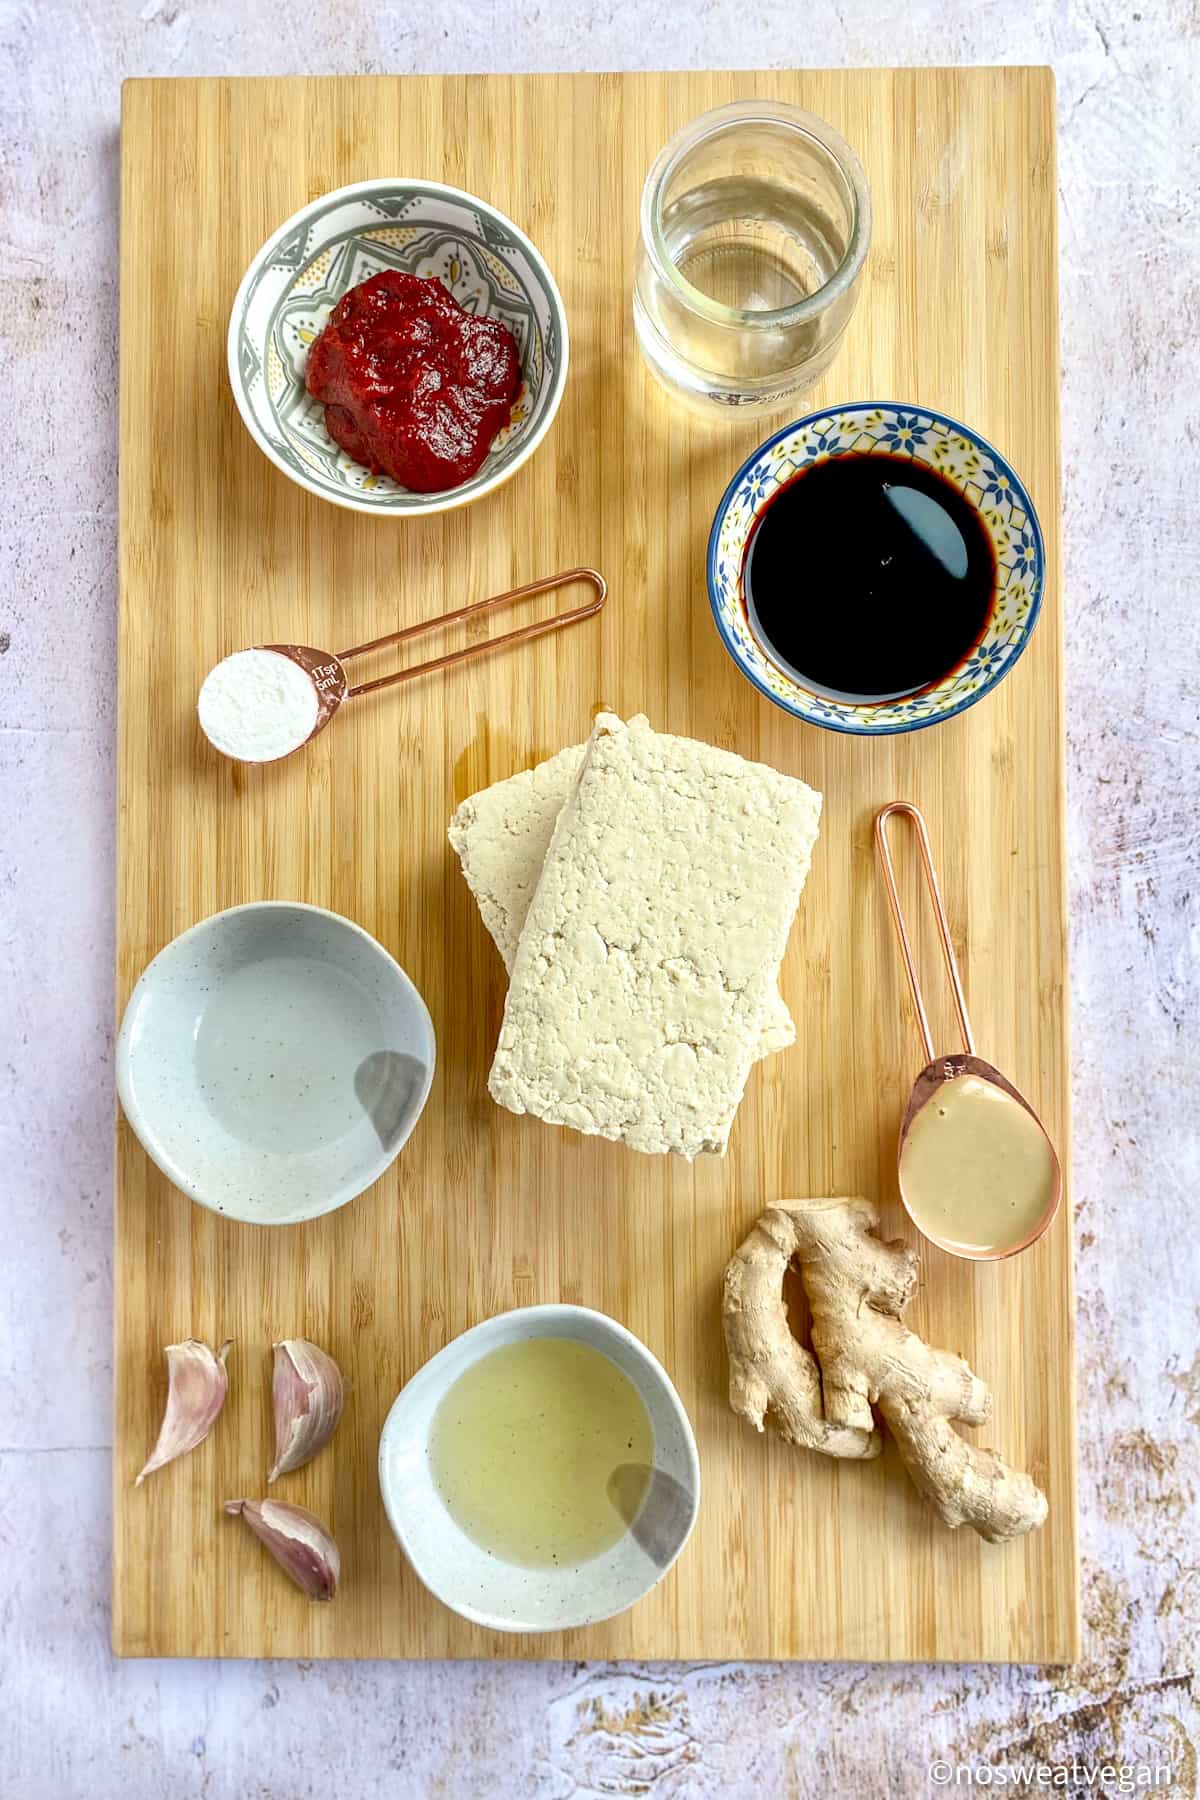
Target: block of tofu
[652,945]
[501,836]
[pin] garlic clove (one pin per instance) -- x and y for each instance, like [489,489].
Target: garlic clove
[197,1383]
[297,1540]
[307,1391]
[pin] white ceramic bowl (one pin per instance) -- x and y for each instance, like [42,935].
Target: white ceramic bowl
[273,1061]
[504,1597]
[304,268]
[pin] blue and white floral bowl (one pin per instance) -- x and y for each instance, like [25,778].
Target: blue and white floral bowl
[300,274]
[956,452]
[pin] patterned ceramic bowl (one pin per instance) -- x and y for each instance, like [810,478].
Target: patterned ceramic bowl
[300,274]
[956,452]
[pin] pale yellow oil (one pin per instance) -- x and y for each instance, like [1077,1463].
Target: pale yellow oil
[536,1449]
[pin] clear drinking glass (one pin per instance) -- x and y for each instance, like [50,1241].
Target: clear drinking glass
[755,224]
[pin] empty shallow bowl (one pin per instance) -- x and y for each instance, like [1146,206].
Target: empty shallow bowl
[504,1596]
[424,228]
[986,481]
[273,1061]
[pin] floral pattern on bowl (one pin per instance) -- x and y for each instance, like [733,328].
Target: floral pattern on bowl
[300,274]
[984,478]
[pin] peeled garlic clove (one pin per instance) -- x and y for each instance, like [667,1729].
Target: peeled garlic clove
[297,1540]
[307,1391]
[197,1383]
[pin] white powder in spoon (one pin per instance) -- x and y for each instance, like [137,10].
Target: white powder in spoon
[257,705]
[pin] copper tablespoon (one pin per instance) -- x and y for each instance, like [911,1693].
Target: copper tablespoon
[941,1069]
[327,672]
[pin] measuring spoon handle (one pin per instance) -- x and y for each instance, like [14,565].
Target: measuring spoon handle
[939,913]
[487,645]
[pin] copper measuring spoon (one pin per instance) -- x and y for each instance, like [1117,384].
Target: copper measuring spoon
[941,1069]
[327,672]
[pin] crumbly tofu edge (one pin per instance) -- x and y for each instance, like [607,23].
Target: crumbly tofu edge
[500,856]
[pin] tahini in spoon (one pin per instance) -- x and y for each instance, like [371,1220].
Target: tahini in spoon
[220,702]
[979,1175]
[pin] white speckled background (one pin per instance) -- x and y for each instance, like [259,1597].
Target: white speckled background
[73,1722]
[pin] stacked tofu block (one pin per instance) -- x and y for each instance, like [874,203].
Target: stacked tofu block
[640,888]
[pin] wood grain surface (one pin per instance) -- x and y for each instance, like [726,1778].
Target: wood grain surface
[794,1556]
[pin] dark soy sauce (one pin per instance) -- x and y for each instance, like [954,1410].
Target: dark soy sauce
[868,577]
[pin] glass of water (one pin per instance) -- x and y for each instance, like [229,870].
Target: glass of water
[755,224]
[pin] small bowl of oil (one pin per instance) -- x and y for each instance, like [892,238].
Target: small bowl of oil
[540,1473]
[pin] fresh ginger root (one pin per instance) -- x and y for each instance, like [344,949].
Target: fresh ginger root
[857,1288]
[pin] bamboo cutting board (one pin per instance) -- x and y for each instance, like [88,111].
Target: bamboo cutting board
[793,1556]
